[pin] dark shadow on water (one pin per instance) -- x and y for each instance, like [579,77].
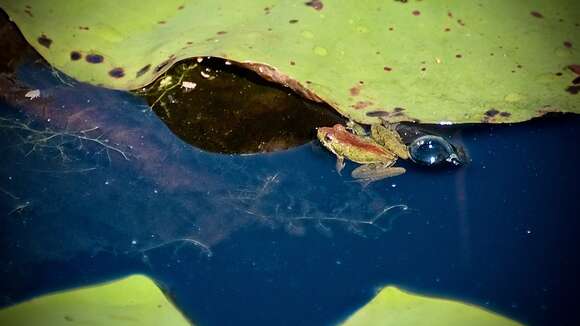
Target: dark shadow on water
[94,185]
[223,108]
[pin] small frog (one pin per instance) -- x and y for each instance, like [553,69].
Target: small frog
[377,153]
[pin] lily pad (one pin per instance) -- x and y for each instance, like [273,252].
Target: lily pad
[395,307]
[429,61]
[134,300]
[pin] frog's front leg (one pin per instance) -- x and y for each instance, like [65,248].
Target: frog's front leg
[356,129]
[374,172]
[339,164]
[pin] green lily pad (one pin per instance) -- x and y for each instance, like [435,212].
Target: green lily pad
[395,307]
[134,300]
[429,61]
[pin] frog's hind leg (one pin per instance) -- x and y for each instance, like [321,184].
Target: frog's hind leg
[366,174]
[388,137]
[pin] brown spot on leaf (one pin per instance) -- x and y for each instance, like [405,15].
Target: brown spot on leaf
[143,70]
[576,81]
[180,7]
[28,12]
[396,115]
[558,74]
[117,72]
[164,64]
[573,89]
[44,41]
[568,44]
[293,21]
[355,90]
[461,22]
[83,28]
[458,56]
[361,105]
[491,112]
[575,68]
[292,63]
[377,114]
[546,110]
[492,115]
[189,43]
[316,4]
[75,55]
[161,22]
[416,13]
[536,14]
[94,58]
[221,33]
[391,28]
[423,69]
[449,14]
[385,68]
[447,29]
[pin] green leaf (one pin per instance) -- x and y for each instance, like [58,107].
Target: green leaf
[134,300]
[395,307]
[428,61]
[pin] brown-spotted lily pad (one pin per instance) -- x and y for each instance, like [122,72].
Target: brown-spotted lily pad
[428,61]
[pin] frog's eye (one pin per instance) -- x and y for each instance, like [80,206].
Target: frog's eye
[328,137]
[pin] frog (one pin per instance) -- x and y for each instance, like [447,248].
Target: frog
[377,152]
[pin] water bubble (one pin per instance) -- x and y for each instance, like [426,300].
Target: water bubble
[432,150]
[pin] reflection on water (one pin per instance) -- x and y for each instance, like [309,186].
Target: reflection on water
[229,109]
[93,184]
[102,164]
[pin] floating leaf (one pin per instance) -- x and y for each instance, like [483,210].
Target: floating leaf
[395,307]
[428,61]
[134,300]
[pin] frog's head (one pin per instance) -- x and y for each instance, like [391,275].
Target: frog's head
[326,136]
[333,138]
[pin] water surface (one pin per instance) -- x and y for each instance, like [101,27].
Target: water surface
[95,186]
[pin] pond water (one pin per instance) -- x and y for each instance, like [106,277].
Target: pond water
[94,186]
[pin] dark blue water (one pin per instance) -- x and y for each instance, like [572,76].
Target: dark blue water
[104,189]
